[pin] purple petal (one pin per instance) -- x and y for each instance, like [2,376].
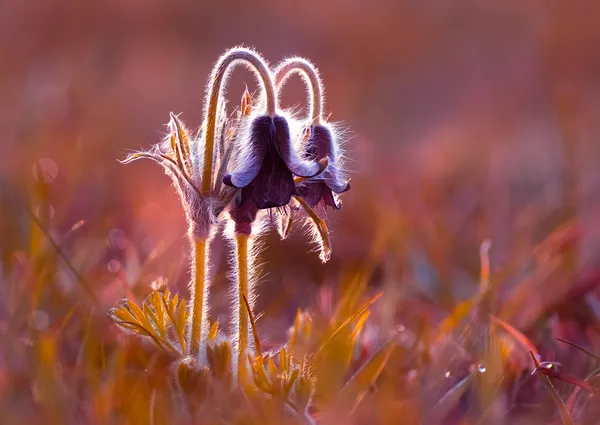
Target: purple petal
[320,144]
[333,201]
[260,135]
[334,181]
[244,209]
[274,184]
[310,192]
[296,165]
[315,192]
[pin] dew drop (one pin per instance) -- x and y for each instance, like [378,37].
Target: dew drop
[481,368]
[45,170]
[113,266]
[447,374]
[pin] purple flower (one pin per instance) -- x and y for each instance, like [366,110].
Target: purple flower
[265,173]
[321,188]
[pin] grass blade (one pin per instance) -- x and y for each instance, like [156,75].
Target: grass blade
[565,416]
[366,376]
[592,355]
[443,407]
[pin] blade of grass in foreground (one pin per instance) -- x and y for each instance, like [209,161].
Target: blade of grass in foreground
[565,416]
[592,355]
[443,407]
[517,335]
[346,322]
[366,376]
[58,249]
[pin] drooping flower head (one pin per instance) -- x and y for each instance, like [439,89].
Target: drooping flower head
[325,187]
[265,165]
[267,175]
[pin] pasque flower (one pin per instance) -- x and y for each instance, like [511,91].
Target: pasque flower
[319,140]
[325,187]
[241,167]
[270,164]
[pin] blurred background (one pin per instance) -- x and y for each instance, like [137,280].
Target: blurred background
[465,121]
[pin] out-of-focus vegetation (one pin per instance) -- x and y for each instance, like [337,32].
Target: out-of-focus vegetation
[469,122]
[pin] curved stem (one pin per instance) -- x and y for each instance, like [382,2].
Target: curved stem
[242,324]
[198,289]
[219,75]
[311,78]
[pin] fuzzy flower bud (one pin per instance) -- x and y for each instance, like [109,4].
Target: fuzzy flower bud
[321,189]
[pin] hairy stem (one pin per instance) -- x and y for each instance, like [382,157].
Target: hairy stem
[242,331]
[218,77]
[311,78]
[198,289]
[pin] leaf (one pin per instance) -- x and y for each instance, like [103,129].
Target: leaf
[40,226]
[560,405]
[290,382]
[294,336]
[360,324]
[182,316]
[517,335]
[170,310]
[136,311]
[459,313]
[159,308]
[346,322]
[123,314]
[142,330]
[443,407]
[552,373]
[358,386]
[253,324]
[151,319]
